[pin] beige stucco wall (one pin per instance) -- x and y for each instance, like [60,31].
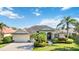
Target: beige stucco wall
[7,35]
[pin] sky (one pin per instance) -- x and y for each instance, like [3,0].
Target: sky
[24,17]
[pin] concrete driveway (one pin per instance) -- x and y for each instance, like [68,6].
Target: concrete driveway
[18,47]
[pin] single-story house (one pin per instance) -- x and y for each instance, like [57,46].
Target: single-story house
[63,32]
[43,28]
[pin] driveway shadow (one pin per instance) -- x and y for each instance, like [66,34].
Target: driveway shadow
[26,47]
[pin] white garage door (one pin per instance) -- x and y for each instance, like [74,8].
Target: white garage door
[20,38]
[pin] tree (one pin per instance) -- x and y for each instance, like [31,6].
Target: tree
[1,30]
[40,39]
[66,22]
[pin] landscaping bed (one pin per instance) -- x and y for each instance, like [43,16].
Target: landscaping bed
[58,47]
[58,44]
[6,40]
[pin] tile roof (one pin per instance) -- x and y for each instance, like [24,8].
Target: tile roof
[39,28]
[7,30]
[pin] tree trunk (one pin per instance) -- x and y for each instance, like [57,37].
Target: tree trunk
[67,30]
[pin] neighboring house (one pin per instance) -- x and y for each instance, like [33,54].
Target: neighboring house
[7,31]
[71,31]
[62,32]
[18,35]
[21,36]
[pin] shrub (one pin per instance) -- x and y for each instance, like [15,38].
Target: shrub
[62,40]
[37,44]
[43,44]
[69,41]
[76,38]
[7,39]
[59,40]
[55,40]
[71,36]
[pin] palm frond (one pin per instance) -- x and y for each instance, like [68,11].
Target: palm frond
[73,21]
[59,24]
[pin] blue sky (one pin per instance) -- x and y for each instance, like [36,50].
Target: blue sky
[22,17]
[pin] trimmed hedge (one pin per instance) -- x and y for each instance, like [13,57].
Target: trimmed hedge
[62,40]
[69,41]
[59,40]
[55,40]
[37,44]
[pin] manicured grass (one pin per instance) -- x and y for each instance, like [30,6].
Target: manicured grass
[59,47]
[2,45]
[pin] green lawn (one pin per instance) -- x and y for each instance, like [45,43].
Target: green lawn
[2,45]
[59,47]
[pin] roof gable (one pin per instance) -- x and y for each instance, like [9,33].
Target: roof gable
[39,28]
[20,31]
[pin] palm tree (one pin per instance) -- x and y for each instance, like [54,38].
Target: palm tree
[66,22]
[1,30]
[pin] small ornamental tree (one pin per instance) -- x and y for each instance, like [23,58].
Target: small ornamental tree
[40,39]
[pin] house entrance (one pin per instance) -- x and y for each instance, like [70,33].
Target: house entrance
[49,35]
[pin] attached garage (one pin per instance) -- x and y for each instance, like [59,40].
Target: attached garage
[21,36]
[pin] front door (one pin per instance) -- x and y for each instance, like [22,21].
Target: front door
[49,35]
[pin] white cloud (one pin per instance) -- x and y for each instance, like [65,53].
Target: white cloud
[9,13]
[9,8]
[54,21]
[1,9]
[50,22]
[76,18]
[37,12]
[65,8]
